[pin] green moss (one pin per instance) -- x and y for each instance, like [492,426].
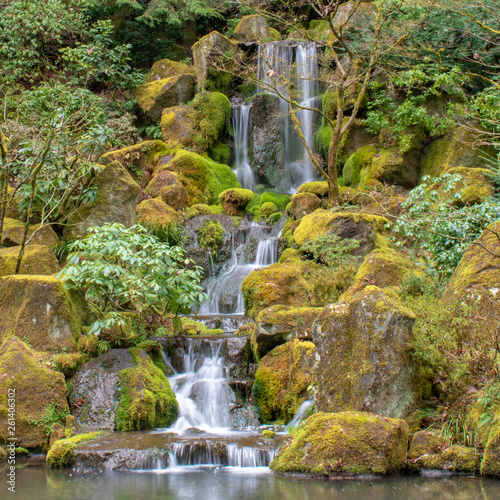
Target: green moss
[319,188]
[147,401]
[280,200]
[219,152]
[234,201]
[193,327]
[203,178]
[274,35]
[213,111]
[282,380]
[356,164]
[267,209]
[268,434]
[349,443]
[88,344]
[211,235]
[37,259]
[290,255]
[68,363]
[62,452]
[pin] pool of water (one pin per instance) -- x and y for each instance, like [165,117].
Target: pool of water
[198,483]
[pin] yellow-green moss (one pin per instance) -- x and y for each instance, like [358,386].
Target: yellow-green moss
[166,68]
[348,443]
[178,126]
[268,208]
[203,178]
[88,344]
[62,452]
[211,235]
[290,255]
[146,401]
[37,259]
[68,363]
[213,111]
[234,201]
[282,380]
[356,164]
[156,212]
[196,328]
[13,232]
[319,188]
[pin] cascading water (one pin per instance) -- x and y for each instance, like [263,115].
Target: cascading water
[205,434]
[241,119]
[297,63]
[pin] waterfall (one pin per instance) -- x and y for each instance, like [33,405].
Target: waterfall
[297,62]
[241,118]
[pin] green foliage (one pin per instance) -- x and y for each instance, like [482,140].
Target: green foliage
[330,250]
[99,62]
[211,235]
[125,271]
[438,227]
[53,414]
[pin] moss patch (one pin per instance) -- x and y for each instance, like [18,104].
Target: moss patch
[212,114]
[211,235]
[234,201]
[37,259]
[62,452]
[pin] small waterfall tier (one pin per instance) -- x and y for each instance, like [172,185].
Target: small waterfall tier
[297,63]
[241,120]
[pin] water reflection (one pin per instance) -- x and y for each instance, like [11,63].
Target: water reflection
[241,484]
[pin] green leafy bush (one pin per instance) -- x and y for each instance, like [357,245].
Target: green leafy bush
[330,250]
[129,271]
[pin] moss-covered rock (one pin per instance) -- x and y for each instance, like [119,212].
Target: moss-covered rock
[365,228]
[175,195]
[117,194]
[282,380]
[62,452]
[211,235]
[178,126]
[319,188]
[252,28]
[344,444]
[156,212]
[279,324]
[37,259]
[166,68]
[267,209]
[294,283]
[383,267]
[234,201]
[203,178]
[140,159]
[304,204]
[358,162]
[147,401]
[158,182]
[40,394]
[364,360]
[426,443]
[40,310]
[476,278]
[212,114]
[13,231]
[206,52]
[154,96]
[454,150]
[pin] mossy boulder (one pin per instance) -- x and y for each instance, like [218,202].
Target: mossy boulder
[382,267]
[40,310]
[304,204]
[62,452]
[319,188]
[282,380]
[13,231]
[476,279]
[279,200]
[155,96]
[456,149]
[267,209]
[344,444]
[40,394]
[234,201]
[175,195]
[279,324]
[212,114]
[363,227]
[294,283]
[211,235]
[147,401]
[156,212]
[364,360]
[37,259]
[178,126]
[166,68]
[158,182]
[203,178]
[140,159]
[252,28]
[117,194]
[357,163]
[206,53]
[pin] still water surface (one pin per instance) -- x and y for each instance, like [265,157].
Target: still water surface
[236,484]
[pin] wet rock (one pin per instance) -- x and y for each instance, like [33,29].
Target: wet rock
[40,394]
[252,28]
[243,416]
[303,204]
[234,201]
[13,231]
[344,444]
[238,356]
[156,212]
[95,391]
[166,68]
[279,324]
[40,310]
[177,126]
[282,380]
[364,361]
[117,194]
